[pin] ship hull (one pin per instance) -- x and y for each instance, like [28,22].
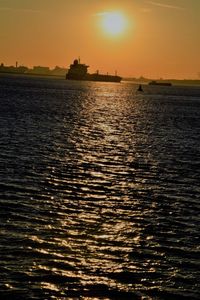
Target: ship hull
[94,77]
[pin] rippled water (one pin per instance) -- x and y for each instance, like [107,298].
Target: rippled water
[99,190]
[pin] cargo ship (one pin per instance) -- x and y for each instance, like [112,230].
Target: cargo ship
[79,71]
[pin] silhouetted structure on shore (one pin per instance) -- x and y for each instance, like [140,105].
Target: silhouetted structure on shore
[36,70]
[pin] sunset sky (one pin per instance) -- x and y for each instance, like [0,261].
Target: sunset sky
[158,38]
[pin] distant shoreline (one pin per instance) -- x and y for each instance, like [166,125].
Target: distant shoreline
[194,82]
[33,74]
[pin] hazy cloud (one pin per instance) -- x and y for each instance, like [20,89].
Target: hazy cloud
[104,13]
[165,5]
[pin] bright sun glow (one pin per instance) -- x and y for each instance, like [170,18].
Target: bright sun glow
[113,23]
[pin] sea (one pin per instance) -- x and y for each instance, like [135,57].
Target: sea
[99,190]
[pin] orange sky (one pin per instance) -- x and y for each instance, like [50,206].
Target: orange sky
[161,38]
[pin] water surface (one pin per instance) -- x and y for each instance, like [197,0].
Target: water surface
[99,190]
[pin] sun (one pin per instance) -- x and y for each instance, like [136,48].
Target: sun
[113,23]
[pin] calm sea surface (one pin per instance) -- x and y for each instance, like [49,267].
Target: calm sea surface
[99,190]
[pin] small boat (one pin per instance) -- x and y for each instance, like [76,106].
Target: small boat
[140,88]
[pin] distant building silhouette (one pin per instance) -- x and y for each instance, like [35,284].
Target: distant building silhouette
[36,70]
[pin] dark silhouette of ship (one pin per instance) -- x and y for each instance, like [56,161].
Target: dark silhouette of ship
[160,83]
[78,71]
